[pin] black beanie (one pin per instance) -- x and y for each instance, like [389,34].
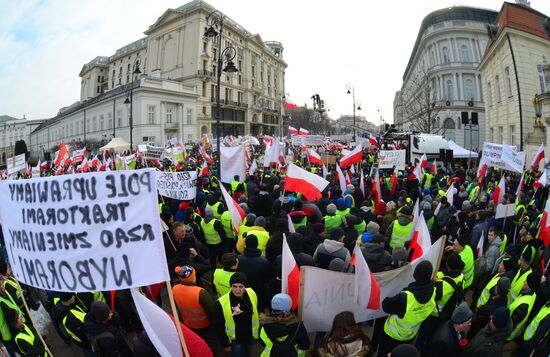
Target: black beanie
[423,272]
[238,278]
[533,280]
[404,350]
[100,311]
[454,262]
[65,296]
[251,241]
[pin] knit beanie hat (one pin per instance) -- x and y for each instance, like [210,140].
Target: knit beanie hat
[423,272]
[186,273]
[100,311]
[503,285]
[238,278]
[461,314]
[390,205]
[260,221]
[336,233]
[281,302]
[337,264]
[373,227]
[533,280]
[331,208]
[251,241]
[500,317]
[529,254]
[455,263]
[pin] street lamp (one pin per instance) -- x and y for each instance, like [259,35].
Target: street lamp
[229,53]
[356,104]
[130,100]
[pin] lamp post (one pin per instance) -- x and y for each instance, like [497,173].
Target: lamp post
[356,104]
[130,100]
[215,19]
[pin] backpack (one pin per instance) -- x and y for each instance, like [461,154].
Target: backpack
[94,341]
[456,298]
[285,347]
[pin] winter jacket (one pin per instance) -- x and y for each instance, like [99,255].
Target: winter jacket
[443,216]
[257,270]
[329,250]
[351,347]
[387,220]
[422,293]
[106,338]
[488,343]
[263,204]
[276,327]
[378,259]
[444,342]
[491,254]
[402,219]
[479,228]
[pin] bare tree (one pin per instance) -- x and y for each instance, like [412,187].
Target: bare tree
[420,104]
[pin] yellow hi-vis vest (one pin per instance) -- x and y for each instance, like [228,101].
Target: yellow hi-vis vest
[332,222]
[79,315]
[210,234]
[474,195]
[467,256]
[302,223]
[405,329]
[228,225]
[532,327]
[263,238]
[517,284]
[448,291]
[228,315]
[4,327]
[28,336]
[342,213]
[522,299]
[242,229]
[269,344]
[400,234]
[486,293]
[215,208]
[221,281]
[361,227]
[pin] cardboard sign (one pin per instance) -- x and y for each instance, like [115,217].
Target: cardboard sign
[16,164]
[391,158]
[84,232]
[177,185]
[328,159]
[153,152]
[78,156]
[503,156]
[505,210]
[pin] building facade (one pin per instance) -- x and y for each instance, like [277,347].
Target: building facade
[442,81]
[12,130]
[513,72]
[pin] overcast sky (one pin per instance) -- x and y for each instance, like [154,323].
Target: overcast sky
[45,43]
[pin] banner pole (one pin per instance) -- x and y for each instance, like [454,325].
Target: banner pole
[176,318]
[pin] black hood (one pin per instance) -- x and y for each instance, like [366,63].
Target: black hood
[422,292]
[92,327]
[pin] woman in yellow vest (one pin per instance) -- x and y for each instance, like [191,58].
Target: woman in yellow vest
[236,317]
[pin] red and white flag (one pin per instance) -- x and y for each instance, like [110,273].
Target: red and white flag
[542,181]
[352,157]
[480,244]
[421,242]
[62,155]
[544,225]
[373,141]
[423,161]
[236,211]
[500,190]
[43,165]
[433,168]
[289,104]
[290,275]
[450,198]
[292,130]
[362,183]
[291,228]
[314,157]
[521,184]
[538,157]
[95,161]
[415,174]
[416,209]
[303,131]
[308,184]
[481,170]
[204,169]
[341,179]
[393,180]
[367,290]
[376,188]
[325,171]
[272,152]
[207,157]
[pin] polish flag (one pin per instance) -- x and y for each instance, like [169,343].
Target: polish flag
[500,190]
[341,179]
[204,169]
[352,157]
[325,171]
[290,274]
[95,161]
[207,157]
[344,152]
[62,155]
[367,290]
[362,183]
[423,161]
[521,184]
[253,167]
[289,104]
[376,188]
[538,156]
[481,170]
[236,211]
[373,141]
[393,180]
[303,131]
[313,157]
[544,224]
[450,198]
[267,141]
[542,181]
[43,165]
[480,244]
[299,180]
[291,228]
[416,209]
[292,130]
[421,241]
[433,168]
[415,174]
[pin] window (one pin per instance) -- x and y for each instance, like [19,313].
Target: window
[492,131]
[542,79]
[204,89]
[88,125]
[189,115]
[169,115]
[151,114]
[512,134]
[508,81]
[204,46]
[76,132]
[240,80]
[464,53]
[253,71]
[501,134]
[94,127]
[71,130]
[101,120]
[445,53]
[204,110]
[450,93]
[432,59]
[497,88]
[119,118]
[469,90]
[489,93]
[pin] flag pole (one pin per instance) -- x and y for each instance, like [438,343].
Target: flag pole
[176,318]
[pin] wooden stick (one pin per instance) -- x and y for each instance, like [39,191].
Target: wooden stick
[176,317]
[32,321]
[301,293]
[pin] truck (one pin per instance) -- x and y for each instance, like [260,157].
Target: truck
[417,144]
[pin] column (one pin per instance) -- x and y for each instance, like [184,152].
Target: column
[461,89]
[162,139]
[473,50]
[437,55]
[455,89]
[478,88]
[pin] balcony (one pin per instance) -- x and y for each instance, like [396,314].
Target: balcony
[170,126]
[205,73]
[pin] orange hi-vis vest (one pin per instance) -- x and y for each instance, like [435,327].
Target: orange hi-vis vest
[191,311]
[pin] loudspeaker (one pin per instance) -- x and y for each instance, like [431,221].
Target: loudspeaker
[474,118]
[448,103]
[449,155]
[47,156]
[464,117]
[442,155]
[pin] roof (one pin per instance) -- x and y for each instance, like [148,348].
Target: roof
[522,18]
[7,118]
[465,13]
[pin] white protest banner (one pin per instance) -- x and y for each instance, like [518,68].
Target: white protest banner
[326,293]
[505,210]
[503,156]
[391,158]
[177,185]
[78,156]
[16,163]
[35,171]
[316,140]
[142,148]
[232,161]
[153,152]
[84,232]
[492,154]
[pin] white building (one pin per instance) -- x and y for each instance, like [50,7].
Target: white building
[12,130]
[176,94]
[441,79]
[513,70]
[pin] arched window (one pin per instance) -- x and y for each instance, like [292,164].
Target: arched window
[445,53]
[432,59]
[449,124]
[469,90]
[450,92]
[464,53]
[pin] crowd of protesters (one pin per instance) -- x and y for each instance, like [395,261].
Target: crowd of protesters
[227,280]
